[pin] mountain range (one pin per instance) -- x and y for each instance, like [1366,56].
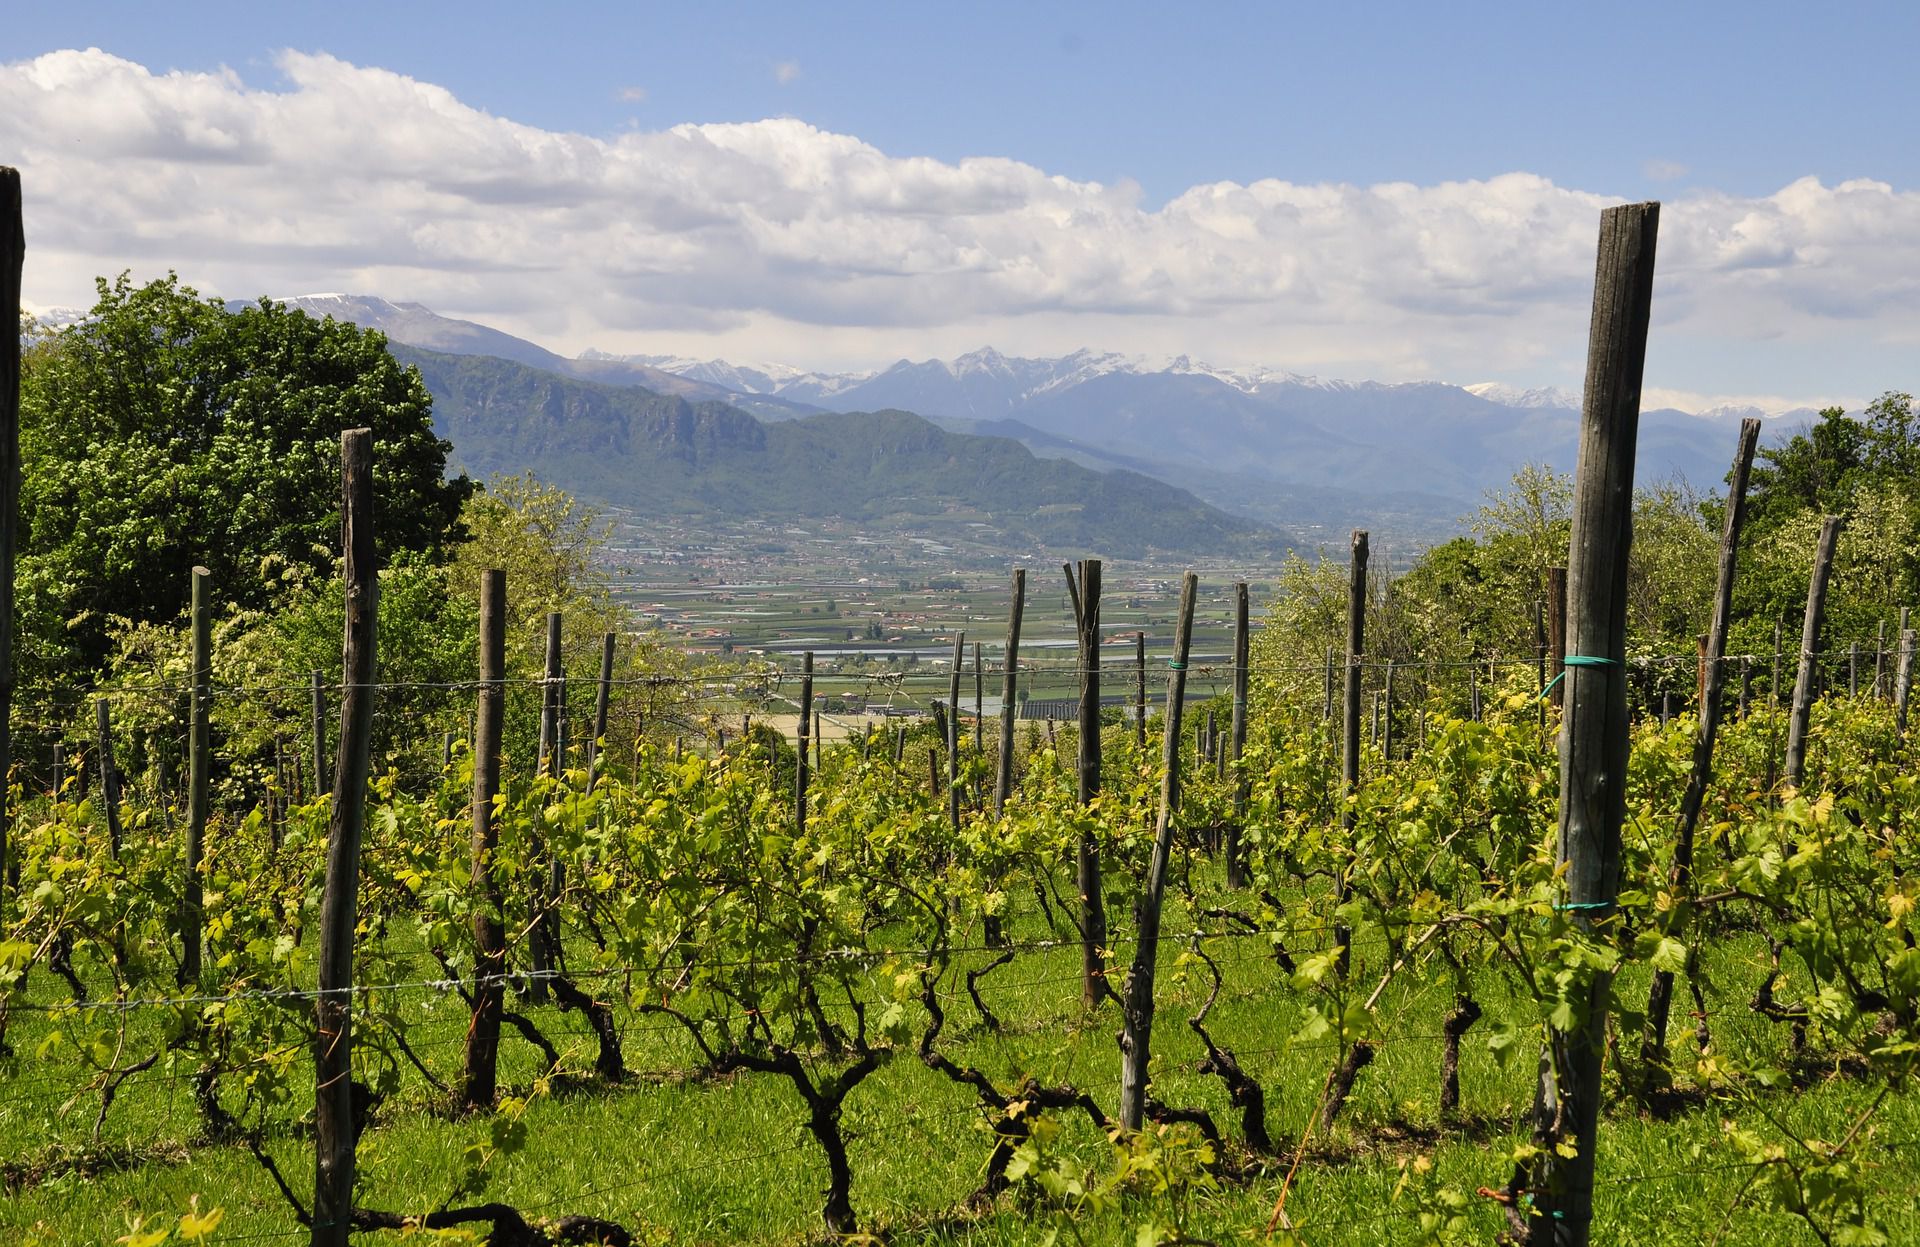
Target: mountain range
[1298,453]
[662,454]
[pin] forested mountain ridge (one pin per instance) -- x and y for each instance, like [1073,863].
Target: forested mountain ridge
[666,455]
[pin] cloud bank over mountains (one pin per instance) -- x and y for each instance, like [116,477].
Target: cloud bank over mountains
[778,240]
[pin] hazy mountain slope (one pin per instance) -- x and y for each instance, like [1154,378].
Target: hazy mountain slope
[662,454]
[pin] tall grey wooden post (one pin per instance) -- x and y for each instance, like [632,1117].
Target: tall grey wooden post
[800,755]
[953,732]
[1083,590]
[979,700]
[478,1086]
[1236,868]
[1009,694]
[318,698]
[199,771]
[13,249]
[1556,629]
[1140,690]
[1810,649]
[1350,722]
[333,1131]
[1594,732]
[1903,684]
[109,775]
[602,702]
[542,955]
[1137,1006]
[1653,1046]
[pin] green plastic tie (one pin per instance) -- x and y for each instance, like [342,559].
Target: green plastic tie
[1575,660]
[1175,666]
[1584,905]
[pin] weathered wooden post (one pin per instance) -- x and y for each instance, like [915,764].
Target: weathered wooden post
[1880,661]
[1810,649]
[1326,701]
[199,772]
[800,755]
[319,730]
[1594,733]
[1236,869]
[1903,684]
[542,955]
[1140,690]
[1083,591]
[1137,1007]
[1386,714]
[1853,668]
[333,1124]
[953,733]
[109,777]
[1009,694]
[979,700]
[1713,651]
[1556,626]
[1773,711]
[478,1086]
[602,704]
[1350,727]
[13,250]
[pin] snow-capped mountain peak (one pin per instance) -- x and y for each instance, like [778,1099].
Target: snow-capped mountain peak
[1551,396]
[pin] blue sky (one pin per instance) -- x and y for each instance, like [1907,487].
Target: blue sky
[1719,106]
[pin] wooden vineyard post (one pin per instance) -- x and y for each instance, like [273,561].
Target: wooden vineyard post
[199,772]
[1902,684]
[1556,628]
[800,755]
[1810,650]
[1236,869]
[1350,723]
[1326,703]
[1083,590]
[319,729]
[1540,664]
[478,1086]
[979,700]
[1009,695]
[109,777]
[1853,668]
[1594,731]
[1140,691]
[1880,661]
[333,1124]
[1137,1007]
[1713,652]
[13,249]
[541,959]
[953,732]
[1386,714]
[1773,711]
[602,703]
[550,745]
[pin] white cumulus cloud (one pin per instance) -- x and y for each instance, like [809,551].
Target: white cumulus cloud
[775,239]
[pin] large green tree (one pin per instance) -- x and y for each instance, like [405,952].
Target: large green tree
[165,431]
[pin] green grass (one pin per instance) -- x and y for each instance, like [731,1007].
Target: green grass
[726,1160]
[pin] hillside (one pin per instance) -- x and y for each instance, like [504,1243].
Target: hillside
[661,454]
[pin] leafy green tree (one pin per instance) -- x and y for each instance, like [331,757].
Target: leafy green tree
[166,431]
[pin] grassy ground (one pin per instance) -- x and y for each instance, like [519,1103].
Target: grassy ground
[726,1160]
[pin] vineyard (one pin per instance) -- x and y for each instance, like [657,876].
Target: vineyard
[1566,942]
[661,1005]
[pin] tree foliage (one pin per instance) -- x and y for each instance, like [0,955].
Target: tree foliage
[166,431]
